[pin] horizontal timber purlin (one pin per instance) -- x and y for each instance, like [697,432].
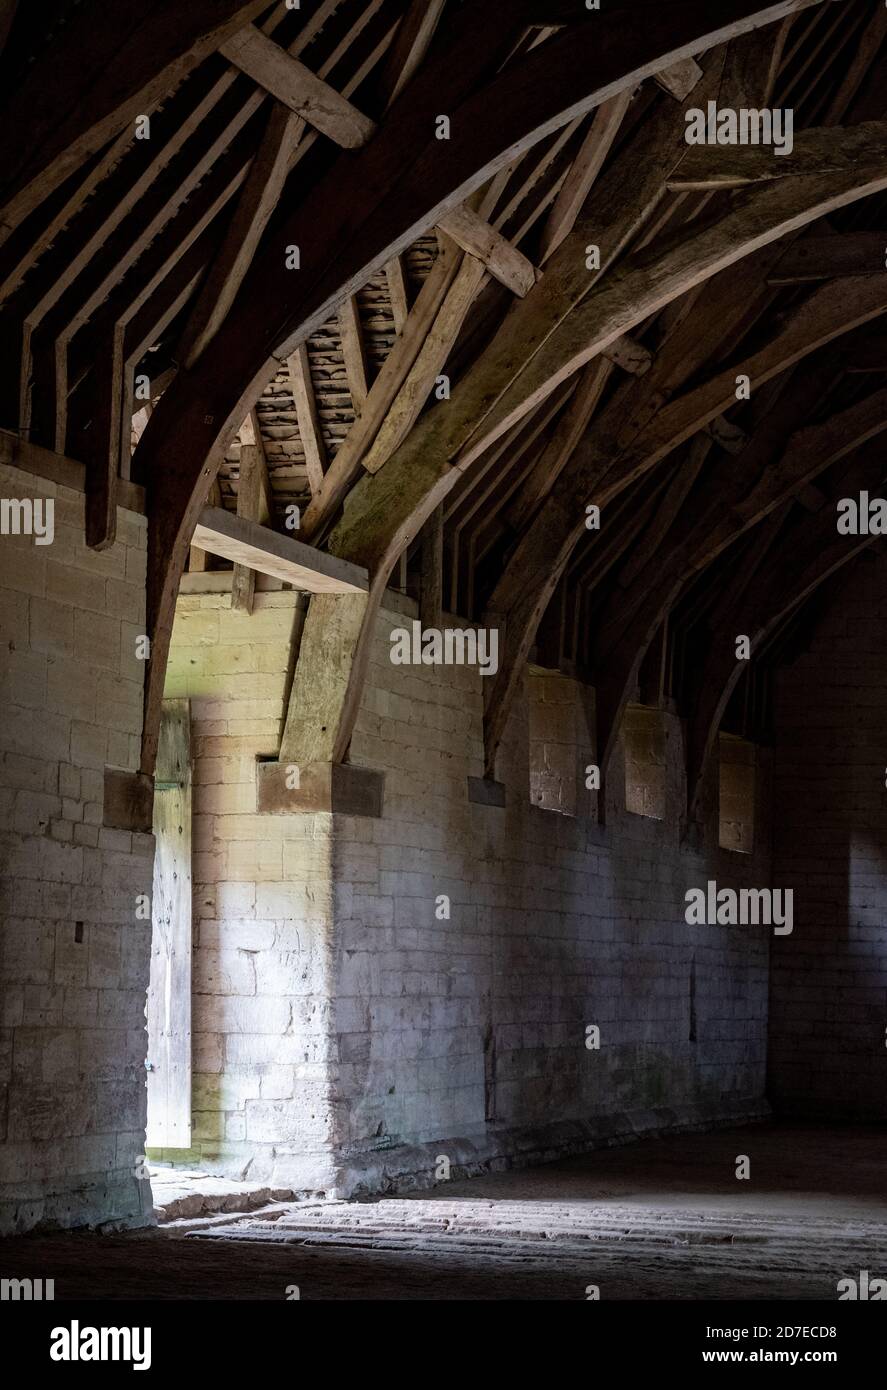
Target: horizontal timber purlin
[722,167]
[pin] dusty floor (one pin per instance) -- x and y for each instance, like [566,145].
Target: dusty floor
[661,1219]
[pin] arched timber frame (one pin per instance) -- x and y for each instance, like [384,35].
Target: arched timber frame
[572,385]
[802,556]
[370,206]
[385,511]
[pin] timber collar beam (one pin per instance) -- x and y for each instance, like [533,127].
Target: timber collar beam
[248,543]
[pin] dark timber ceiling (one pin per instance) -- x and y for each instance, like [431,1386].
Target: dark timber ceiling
[123,258]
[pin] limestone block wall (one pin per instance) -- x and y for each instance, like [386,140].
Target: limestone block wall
[473,1027]
[829,984]
[74,957]
[263,903]
[368,993]
[371,992]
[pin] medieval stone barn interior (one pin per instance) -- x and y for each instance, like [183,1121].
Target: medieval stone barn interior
[444,722]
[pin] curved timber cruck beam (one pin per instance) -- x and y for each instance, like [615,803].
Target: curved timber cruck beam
[369,207]
[598,470]
[803,560]
[733,508]
[384,512]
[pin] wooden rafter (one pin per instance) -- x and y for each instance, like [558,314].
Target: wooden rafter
[442,438]
[410,46]
[310,432]
[428,364]
[86,279]
[598,471]
[646,281]
[397,292]
[96,78]
[351,335]
[254,503]
[257,200]
[583,172]
[431,301]
[435,491]
[562,445]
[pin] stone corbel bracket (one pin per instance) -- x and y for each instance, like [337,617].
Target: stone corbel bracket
[284,790]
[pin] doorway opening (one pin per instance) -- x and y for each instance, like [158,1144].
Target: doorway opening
[168,1009]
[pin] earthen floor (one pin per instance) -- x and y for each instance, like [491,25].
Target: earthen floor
[659,1219]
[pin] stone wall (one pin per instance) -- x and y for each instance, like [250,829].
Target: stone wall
[829,984]
[74,955]
[466,1035]
[350,1023]
[371,995]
